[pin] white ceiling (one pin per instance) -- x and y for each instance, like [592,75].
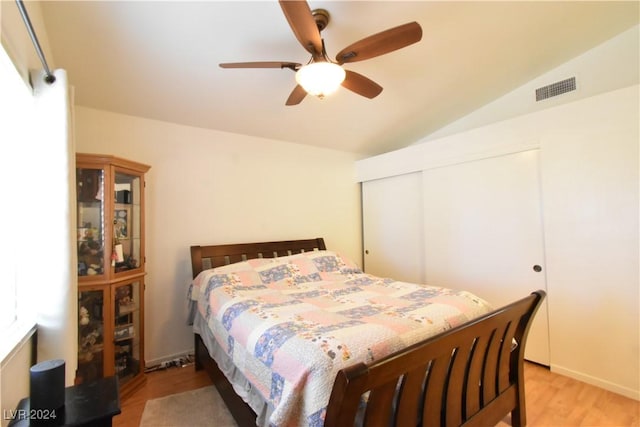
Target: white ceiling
[159,60]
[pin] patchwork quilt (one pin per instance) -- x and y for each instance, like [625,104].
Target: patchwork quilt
[290,324]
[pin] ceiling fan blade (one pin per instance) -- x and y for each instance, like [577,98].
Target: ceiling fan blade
[297,95]
[261,64]
[304,27]
[361,85]
[381,43]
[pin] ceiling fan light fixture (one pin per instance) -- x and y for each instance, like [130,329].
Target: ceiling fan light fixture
[320,78]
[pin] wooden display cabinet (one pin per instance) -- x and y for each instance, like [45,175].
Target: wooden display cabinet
[111,269]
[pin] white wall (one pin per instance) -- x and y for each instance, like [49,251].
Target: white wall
[590,201]
[609,66]
[15,38]
[590,184]
[208,187]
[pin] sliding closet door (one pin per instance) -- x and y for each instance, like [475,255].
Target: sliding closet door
[392,227]
[483,233]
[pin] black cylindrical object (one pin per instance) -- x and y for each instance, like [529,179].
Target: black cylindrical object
[47,385]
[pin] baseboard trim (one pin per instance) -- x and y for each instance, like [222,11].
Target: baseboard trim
[169,358]
[606,385]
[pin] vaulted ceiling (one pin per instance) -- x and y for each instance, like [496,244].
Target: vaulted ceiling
[159,60]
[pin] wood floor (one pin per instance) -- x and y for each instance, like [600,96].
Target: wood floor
[159,384]
[552,400]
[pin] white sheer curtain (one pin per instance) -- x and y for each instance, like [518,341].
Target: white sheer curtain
[51,209]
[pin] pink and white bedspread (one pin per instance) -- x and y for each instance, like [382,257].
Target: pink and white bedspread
[290,324]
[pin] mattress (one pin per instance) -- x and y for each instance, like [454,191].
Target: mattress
[281,329]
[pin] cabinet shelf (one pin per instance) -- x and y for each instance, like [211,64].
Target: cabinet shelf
[111,269]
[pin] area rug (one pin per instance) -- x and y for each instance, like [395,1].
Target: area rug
[195,408]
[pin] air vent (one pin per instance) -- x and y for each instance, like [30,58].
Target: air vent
[556,89]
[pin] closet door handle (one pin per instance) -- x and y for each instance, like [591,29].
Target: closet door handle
[537,268]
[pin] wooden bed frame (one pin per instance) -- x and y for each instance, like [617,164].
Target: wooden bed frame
[471,375]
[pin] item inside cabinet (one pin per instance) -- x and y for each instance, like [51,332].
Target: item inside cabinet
[123,196]
[90,257]
[88,184]
[124,332]
[124,300]
[90,336]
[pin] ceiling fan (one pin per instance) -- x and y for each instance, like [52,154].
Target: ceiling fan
[306,26]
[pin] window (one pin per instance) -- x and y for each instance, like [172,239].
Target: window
[16,106]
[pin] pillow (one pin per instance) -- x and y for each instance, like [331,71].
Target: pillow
[245,273]
[299,268]
[249,265]
[293,268]
[329,261]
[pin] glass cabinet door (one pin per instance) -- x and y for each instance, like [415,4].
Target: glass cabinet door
[90,192]
[127,253]
[127,301]
[91,324]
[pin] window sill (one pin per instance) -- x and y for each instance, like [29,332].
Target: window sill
[14,339]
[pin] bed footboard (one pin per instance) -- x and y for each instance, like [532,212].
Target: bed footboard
[470,375]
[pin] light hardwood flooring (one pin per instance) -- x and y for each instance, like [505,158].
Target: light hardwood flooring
[552,400]
[159,383]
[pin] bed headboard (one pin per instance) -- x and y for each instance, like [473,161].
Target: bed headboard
[205,257]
